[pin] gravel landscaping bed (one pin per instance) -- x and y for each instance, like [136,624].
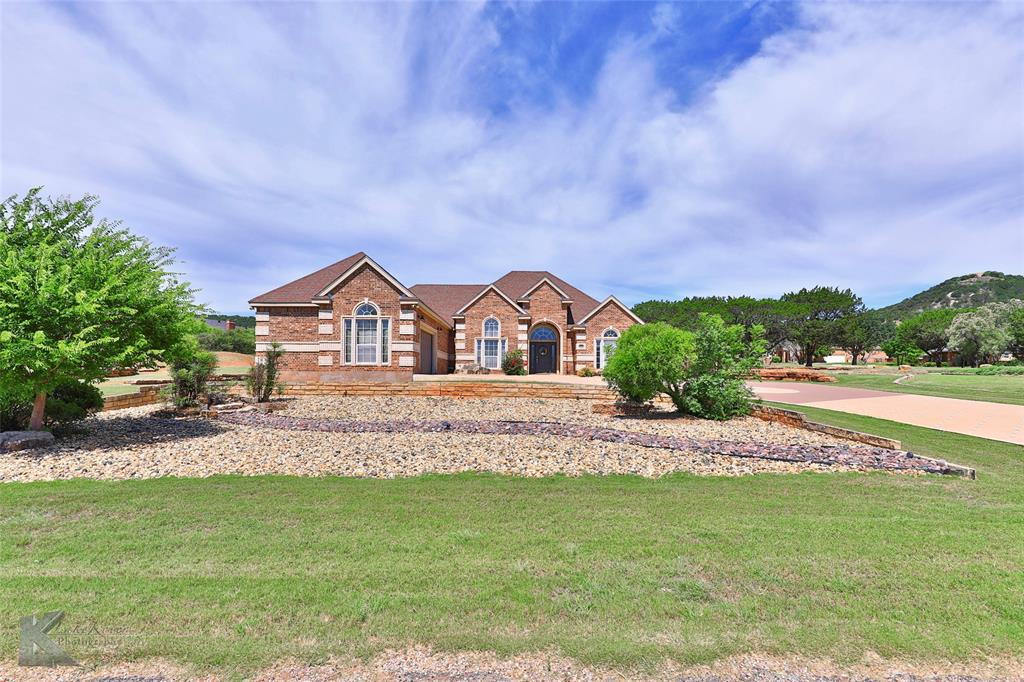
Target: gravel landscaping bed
[666,422]
[135,443]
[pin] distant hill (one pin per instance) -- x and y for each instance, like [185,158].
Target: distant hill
[965,291]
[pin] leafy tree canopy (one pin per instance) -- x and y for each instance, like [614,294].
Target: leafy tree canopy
[818,313]
[80,295]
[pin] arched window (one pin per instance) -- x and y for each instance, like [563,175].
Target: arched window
[604,347]
[491,348]
[492,328]
[543,334]
[366,336]
[366,310]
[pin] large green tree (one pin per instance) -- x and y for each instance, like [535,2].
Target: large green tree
[80,295]
[929,330]
[817,316]
[862,332]
[982,334]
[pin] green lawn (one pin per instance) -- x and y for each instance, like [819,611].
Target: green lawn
[995,388]
[121,385]
[236,572]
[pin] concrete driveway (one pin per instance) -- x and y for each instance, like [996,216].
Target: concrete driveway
[971,417]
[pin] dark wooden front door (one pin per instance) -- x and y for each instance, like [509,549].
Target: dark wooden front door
[542,357]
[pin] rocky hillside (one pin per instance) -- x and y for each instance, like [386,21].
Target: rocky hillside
[965,291]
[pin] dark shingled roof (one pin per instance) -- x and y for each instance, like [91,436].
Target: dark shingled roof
[305,288]
[443,299]
[446,299]
[518,282]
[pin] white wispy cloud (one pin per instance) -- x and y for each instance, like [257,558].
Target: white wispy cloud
[873,146]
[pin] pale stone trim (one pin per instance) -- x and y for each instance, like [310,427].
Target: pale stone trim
[460,325]
[460,345]
[402,347]
[524,346]
[522,337]
[325,329]
[406,329]
[291,346]
[460,335]
[407,315]
[407,361]
[326,315]
[329,346]
[263,330]
[470,357]
[581,337]
[523,327]
[582,358]
[325,361]
[581,346]
[263,317]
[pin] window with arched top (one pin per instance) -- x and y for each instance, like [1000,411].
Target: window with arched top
[543,334]
[366,336]
[604,347]
[490,349]
[367,310]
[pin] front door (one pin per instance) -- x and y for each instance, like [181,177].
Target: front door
[542,357]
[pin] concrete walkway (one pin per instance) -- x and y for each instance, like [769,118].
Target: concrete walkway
[971,417]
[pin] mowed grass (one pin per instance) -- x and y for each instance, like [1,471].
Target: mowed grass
[233,573]
[996,388]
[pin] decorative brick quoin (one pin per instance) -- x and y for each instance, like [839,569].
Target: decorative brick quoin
[353,321]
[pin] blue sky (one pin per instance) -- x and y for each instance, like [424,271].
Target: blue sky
[648,150]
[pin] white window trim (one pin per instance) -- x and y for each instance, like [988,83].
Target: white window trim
[382,359]
[599,357]
[478,350]
[483,328]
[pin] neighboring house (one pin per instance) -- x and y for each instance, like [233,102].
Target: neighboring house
[226,325]
[354,321]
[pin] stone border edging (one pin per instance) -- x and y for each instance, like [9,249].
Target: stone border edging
[799,420]
[859,456]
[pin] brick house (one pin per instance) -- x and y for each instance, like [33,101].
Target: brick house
[354,321]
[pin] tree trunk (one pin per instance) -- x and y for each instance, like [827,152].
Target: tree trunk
[854,354]
[38,410]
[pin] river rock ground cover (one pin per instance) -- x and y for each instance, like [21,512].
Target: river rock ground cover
[139,443]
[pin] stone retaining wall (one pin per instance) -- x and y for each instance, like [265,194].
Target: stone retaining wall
[457,389]
[147,395]
[793,374]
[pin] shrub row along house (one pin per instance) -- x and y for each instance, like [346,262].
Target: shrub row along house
[353,321]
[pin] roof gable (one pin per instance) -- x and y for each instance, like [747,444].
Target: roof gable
[305,288]
[517,283]
[611,300]
[499,292]
[372,264]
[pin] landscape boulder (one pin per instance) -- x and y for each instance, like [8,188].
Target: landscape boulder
[11,441]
